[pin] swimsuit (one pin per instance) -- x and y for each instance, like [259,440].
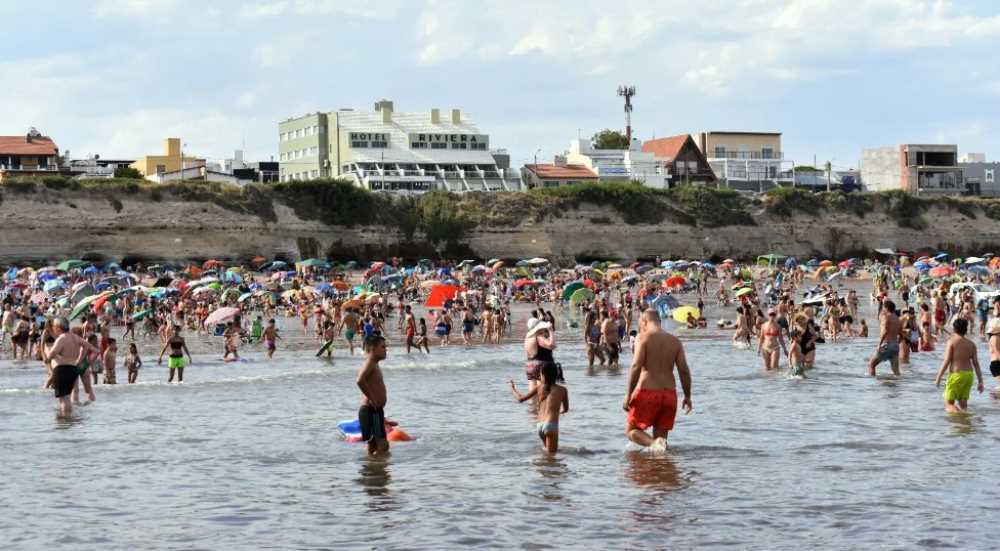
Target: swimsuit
[64,377]
[655,408]
[533,369]
[959,386]
[372,421]
[995,368]
[890,351]
[547,427]
[349,334]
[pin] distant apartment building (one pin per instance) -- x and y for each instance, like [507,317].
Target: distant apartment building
[751,161]
[913,168]
[172,160]
[980,176]
[29,155]
[559,173]
[385,150]
[683,159]
[263,172]
[94,167]
[620,164]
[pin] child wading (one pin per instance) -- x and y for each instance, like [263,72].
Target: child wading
[553,399]
[132,363]
[960,358]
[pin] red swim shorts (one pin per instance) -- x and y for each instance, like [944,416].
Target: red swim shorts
[653,408]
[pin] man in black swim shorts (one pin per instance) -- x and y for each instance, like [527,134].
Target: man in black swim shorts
[65,353]
[371,414]
[993,333]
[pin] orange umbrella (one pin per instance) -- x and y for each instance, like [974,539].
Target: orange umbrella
[209,264]
[675,281]
[258,260]
[194,271]
[826,263]
[340,285]
[354,303]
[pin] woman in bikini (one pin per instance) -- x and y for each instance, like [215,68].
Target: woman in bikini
[768,342]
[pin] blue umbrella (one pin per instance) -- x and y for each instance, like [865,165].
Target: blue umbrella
[46,276]
[323,287]
[53,284]
[102,285]
[979,270]
[790,262]
[940,256]
[90,270]
[11,273]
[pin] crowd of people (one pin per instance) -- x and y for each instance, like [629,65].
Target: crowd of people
[72,317]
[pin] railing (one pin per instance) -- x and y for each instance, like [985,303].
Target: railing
[48,168]
[745,155]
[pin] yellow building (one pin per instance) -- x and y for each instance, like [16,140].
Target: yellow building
[171,161]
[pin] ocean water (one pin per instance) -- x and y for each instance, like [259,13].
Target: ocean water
[246,455]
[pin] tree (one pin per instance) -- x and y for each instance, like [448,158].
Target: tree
[127,172]
[610,139]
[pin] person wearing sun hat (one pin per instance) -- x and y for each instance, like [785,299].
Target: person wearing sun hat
[539,343]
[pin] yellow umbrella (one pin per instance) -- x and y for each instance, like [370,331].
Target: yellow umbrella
[743,291]
[680,314]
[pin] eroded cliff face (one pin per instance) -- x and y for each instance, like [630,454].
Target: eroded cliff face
[44,226]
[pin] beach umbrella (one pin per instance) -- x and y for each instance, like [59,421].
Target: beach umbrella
[313,263]
[743,291]
[492,261]
[537,261]
[478,269]
[581,295]
[90,270]
[340,285]
[85,303]
[680,314]
[523,282]
[53,284]
[521,263]
[665,302]
[82,292]
[571,288]
[643,269]
[790,262]
[979,270]
[974,260]
[942,271]
[67,265]
[258,260]
[209,264]
[440,293]
[675,281]
[826,263]
[223,314]
[141,315]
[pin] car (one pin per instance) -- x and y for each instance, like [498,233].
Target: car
[982,292]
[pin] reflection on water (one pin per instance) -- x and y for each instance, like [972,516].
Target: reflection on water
[653,471]
[963,423]
[374,477]
[553,473]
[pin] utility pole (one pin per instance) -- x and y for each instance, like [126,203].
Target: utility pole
[829,171]
[627,91]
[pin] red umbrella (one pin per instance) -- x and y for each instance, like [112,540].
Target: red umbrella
[441,293]
[588,283]
[942,271]
[675,281]
[523,282]
[209,264]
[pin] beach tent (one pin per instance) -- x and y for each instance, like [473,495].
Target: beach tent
[571,288]
[770,259]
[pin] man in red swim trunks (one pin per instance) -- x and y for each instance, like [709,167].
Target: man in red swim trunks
[651,400]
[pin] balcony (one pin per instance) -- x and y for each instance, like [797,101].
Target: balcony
[745,155]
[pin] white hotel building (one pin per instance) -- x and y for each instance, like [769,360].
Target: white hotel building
[389,151]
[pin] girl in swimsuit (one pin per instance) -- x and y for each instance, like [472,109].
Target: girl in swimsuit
[769,339]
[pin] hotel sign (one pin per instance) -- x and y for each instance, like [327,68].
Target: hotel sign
[449,141]
[369,139]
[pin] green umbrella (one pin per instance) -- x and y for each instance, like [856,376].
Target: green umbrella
[67,265]
[581,295]
[570,288]
[83,305]
[313,263]
[141,315]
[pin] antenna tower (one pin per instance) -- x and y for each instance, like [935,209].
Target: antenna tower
[627,91]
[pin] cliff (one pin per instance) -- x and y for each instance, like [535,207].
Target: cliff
[45,221]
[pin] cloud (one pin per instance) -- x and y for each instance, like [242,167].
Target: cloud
[130,8]
[277,8]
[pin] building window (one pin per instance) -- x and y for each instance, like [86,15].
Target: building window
[766,153]
[382,145]
[418,145]
[359,145]
[322,129]
[160,169]
[988,175]
[439,145]
[479,146]
[720,152]
[314,150]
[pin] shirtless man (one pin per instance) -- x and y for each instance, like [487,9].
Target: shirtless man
[888,343]
[486,323]
[371,415]
[351,327]
[960,359]
[410,324]
[66,353]
[651,399]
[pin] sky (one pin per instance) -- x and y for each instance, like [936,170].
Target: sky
[115,77]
